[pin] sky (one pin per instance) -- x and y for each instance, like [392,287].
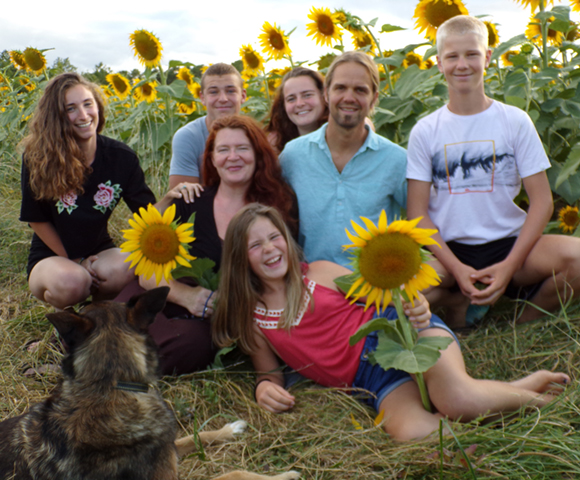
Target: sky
[206,31]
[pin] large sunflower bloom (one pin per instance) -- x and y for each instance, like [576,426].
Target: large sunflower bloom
[252,60]
[432,13]
[390,257]
[325,27]
[26,83]
[274,42]
[185,75]
[534,4]
[146,91]
[506,58]
[575,5]
[534,33]
[147,47]
[156,243]
[17,59]
[492,35]
[569,218]
[413,58]
[34,59]
[120,84]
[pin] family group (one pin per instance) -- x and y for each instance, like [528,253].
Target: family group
[272,204]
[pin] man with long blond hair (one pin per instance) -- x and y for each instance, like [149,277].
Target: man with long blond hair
[344,170]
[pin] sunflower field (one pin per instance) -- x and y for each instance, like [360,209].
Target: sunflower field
[330,435]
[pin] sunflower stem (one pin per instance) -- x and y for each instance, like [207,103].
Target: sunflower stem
[544,30]
[409,335]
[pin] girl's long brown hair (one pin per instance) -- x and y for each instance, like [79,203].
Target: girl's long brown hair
[268,186]
[279,123]
[56,163]
[240,289]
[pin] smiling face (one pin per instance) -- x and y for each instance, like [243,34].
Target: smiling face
[350,95]
[234,157]
[222,95]
[462,60]
[83,113]
[304,103]
[267,251]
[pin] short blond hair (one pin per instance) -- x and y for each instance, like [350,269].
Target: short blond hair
[462,25]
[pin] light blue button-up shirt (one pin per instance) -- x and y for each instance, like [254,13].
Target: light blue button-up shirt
[373,180]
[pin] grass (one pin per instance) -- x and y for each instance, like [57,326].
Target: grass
[318,437]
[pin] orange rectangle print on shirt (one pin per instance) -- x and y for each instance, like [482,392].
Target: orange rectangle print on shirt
[471,166]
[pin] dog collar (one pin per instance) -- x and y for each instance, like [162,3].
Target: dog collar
[133,387]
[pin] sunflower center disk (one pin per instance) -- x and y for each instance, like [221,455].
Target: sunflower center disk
[390,260]
[571,219]
[325,25]
[146,48]
[252,59]
[437,12]
[159,243]
[276,41]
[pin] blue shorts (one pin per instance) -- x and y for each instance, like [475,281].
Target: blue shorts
[373,378]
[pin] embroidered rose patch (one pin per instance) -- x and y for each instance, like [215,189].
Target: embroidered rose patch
[67,202]
[107,196]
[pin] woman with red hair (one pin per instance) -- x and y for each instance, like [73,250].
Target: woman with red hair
[239,167]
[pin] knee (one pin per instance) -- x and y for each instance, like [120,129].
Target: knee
[407,429]
[456,402]
[69,288]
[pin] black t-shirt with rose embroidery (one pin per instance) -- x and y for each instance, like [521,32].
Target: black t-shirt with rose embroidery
[81,221]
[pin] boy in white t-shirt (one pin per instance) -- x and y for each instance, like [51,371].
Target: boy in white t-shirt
[466,162]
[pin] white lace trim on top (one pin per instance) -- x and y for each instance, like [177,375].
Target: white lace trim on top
[276,314]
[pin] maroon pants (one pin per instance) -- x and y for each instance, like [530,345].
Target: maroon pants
[185,344]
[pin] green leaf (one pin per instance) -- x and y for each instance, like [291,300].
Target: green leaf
[217,361]
[571,108]
[201,270]
[505,46]
[371,326]
[162,133]
[345,282]
[410,81]
[386,28]
[560,25]
[422,357]
[569,189]
[515,78]
[516,101]
[570,166]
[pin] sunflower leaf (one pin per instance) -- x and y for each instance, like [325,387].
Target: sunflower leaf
[345,282]
[390,354]
[201,270]
[380,323]
[390,28]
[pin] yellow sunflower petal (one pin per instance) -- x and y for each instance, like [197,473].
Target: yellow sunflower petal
[383,222]
[356,241]
[354,286]
[371,227]
[361,231]
[168,215]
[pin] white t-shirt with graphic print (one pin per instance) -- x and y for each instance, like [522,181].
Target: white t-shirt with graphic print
[475,164]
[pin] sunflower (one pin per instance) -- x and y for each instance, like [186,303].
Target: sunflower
[325,27]
[413,58]
[362,39]
[26,83]
[146,91]
[432,13]
[34,60]
[253,61]
[120,84]
[146,46]
[569,218]
[275,77]
[17,59]
[156,243]
[573,33]
[492,35]
[390,257]
[107,91]
[274,42]
[575,5]
[534,4]
[534,32]
[506,58]
[187,108]
[185,75]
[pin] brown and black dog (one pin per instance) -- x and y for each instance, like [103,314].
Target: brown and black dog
[105,420]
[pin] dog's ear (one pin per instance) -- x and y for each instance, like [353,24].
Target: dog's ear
[142,308]
[73,328]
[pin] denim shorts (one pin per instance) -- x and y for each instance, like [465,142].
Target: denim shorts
[373,378]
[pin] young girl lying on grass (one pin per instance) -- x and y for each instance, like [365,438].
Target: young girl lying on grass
[274,306]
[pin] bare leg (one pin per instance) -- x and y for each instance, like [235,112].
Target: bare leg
[60,282]
[113,273]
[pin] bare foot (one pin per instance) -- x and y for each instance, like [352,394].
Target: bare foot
[543,381]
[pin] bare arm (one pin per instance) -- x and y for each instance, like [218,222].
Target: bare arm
[270,392]
[541,208]
[175,179]
[187,191]
[418,194]
[194,299]
[48,234]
